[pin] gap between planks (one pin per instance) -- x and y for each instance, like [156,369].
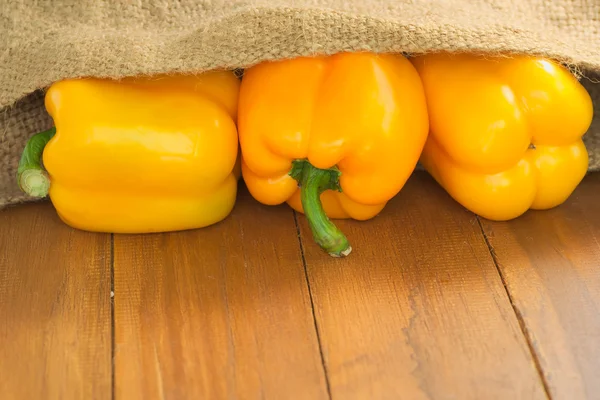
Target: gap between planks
[312,305]
[112,317]
[522,324]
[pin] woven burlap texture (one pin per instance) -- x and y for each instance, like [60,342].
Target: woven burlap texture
[45,41]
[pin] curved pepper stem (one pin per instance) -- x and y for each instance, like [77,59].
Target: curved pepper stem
[314,181]
[31,176]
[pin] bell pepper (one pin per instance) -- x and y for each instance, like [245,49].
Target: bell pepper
[141,154]
[505,132]
[334,137]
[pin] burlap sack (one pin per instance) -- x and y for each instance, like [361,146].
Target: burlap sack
[44,41]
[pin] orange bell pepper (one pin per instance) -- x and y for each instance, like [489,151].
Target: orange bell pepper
[505,133]
[334,136]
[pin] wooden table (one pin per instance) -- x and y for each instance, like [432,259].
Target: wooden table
[433,303]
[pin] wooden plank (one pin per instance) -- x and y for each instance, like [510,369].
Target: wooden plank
[550,261]
[418,310]
[55,316]
[216,313]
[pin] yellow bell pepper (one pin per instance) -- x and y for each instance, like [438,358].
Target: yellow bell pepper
[505,133]
[145,154]
[334,136]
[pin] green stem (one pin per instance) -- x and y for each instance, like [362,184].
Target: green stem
[31,176]
[314,181]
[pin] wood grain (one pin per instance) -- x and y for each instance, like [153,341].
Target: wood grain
[217,313]
[550,261]
[55,323]
[418,310]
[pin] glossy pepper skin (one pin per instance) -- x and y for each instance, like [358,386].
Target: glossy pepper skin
[355,122]
[506,133]
[138,155]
